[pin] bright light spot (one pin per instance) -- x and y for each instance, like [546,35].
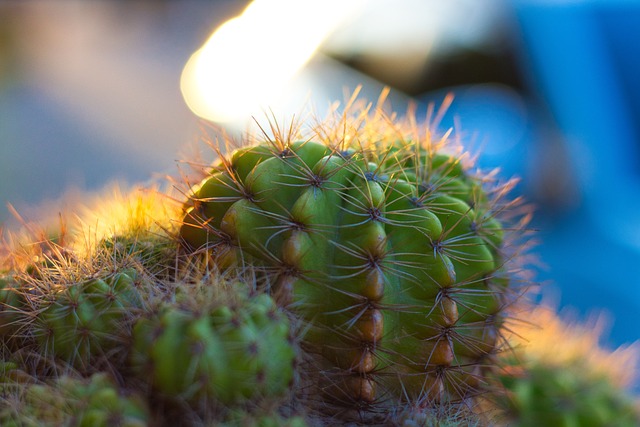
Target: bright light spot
[247,62]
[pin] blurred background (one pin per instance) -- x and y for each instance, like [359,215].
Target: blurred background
[98,92]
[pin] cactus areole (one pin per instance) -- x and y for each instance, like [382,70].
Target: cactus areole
[391,252]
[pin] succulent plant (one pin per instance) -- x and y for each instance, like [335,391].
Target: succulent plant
[73,402]
[557,374]
[543,394]
[155,254]
[390,249]
[225,351]
[80,323]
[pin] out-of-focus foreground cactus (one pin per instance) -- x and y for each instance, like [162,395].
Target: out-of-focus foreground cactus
[71,401]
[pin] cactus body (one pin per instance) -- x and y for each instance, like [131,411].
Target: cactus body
[541,393]
[154,253]
[228,353]
[82,322]
[73,402]
[559,374]
[391,254]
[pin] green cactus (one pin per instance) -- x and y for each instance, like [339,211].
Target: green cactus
[236,350]
[73,402]
[539,393]
[392,252]
[152,252]
[81,323]
[558,374]
[356,277]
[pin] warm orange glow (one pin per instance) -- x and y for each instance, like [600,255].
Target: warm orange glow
[247,62]
[122,212]
[556,341]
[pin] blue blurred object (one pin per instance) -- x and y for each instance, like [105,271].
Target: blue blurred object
[583,59]
[581,62]
[495,122]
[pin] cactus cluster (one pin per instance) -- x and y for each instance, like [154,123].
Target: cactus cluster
[360,273]
[122,319]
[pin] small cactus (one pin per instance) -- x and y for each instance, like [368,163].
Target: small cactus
[73,402]
[558,375]
[539,393]
[80,323]
[154,254]
[228,353]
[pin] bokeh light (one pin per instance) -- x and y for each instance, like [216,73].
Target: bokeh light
[248,60]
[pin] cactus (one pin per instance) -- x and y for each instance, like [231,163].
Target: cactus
[558,375]
[389,248]
[544,394]
[227,352]
[73,402]
[155,254]
[81,323]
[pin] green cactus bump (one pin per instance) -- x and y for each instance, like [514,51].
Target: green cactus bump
[83,322]
[390,249]
[74,402]
[236,351]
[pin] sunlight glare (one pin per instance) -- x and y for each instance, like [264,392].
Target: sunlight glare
[246,63]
